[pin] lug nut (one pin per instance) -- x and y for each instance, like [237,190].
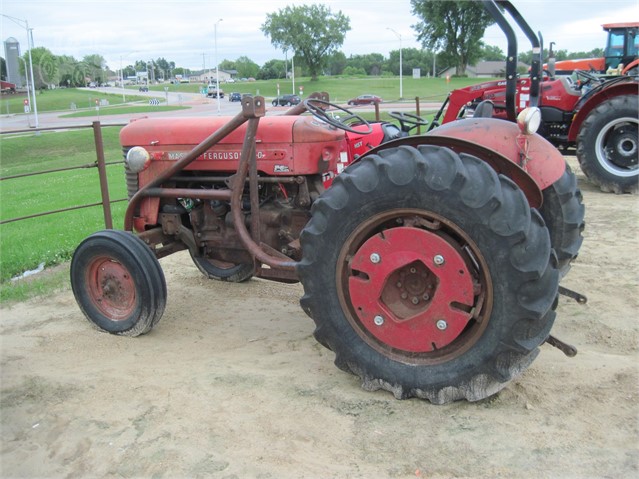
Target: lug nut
[415,300]
[378,320]
[375,258]
[404,295]
[426,297]
[442,325]
[438,260]
[399,284]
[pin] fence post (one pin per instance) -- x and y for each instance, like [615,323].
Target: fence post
[419,128]
[376,111]
[104,184]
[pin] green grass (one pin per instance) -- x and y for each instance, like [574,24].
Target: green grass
[43,284]
[52,239]
[61,99]
[340,88]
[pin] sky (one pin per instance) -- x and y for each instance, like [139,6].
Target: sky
[123,31]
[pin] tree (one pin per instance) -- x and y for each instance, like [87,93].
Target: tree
[163,68]
[491,53]
[45,66]
[246,68]
[456,27]
[128,71]
[371,63]
[227,65]
[70,72]
[311,31]
[272,69]
[336,63]
[95,66]
[411,58]
[3,69]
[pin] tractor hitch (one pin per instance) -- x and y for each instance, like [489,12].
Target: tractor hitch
[568,349]
[580,298]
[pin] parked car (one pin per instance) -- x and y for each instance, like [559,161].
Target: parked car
[144,88]
[286,100]
[365,100]
[235,96]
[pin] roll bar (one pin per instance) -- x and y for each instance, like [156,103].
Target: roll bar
[511,57]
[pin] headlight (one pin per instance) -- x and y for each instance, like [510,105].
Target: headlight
[529,120]
[137,159]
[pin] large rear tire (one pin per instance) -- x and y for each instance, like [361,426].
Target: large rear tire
[607,145]
[563,212]
[118,283]
[428,275]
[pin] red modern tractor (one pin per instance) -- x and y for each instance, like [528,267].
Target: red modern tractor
[430,264]
[596,115]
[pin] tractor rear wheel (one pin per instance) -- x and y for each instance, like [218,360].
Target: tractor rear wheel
[563,212]
[607,147]
[428,275]
[223,271]
[118,283]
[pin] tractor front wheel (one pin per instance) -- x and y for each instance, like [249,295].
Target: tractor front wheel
[118,283]
[607,145]
[428,275]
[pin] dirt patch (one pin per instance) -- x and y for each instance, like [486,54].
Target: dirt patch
[231,384]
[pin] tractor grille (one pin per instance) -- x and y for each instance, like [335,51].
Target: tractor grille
[132,184]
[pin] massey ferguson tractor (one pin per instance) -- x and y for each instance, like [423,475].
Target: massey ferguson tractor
[430,264]
[598,116]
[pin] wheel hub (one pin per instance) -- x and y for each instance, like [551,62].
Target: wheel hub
[111,288]
[621,147]
[411,289]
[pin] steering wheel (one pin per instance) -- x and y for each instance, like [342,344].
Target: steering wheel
[588,76]
[318,108]
[408,121]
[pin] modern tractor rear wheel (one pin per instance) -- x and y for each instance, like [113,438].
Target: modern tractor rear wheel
[223,271]
[563,212]
[428,275]
[607,145]
[118,283]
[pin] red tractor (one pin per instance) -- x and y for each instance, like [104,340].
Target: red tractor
[430,264]
[597,116]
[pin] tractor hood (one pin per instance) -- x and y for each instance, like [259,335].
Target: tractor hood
[163,133]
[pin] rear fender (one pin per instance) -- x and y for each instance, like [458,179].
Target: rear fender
[496,142]
[617,87]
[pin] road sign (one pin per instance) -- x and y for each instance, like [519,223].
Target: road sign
[154,102]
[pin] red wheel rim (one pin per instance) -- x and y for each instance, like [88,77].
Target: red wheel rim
[414,287]
[111,288]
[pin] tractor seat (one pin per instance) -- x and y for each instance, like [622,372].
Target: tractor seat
[484,109]
[391,132]
[569,86]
